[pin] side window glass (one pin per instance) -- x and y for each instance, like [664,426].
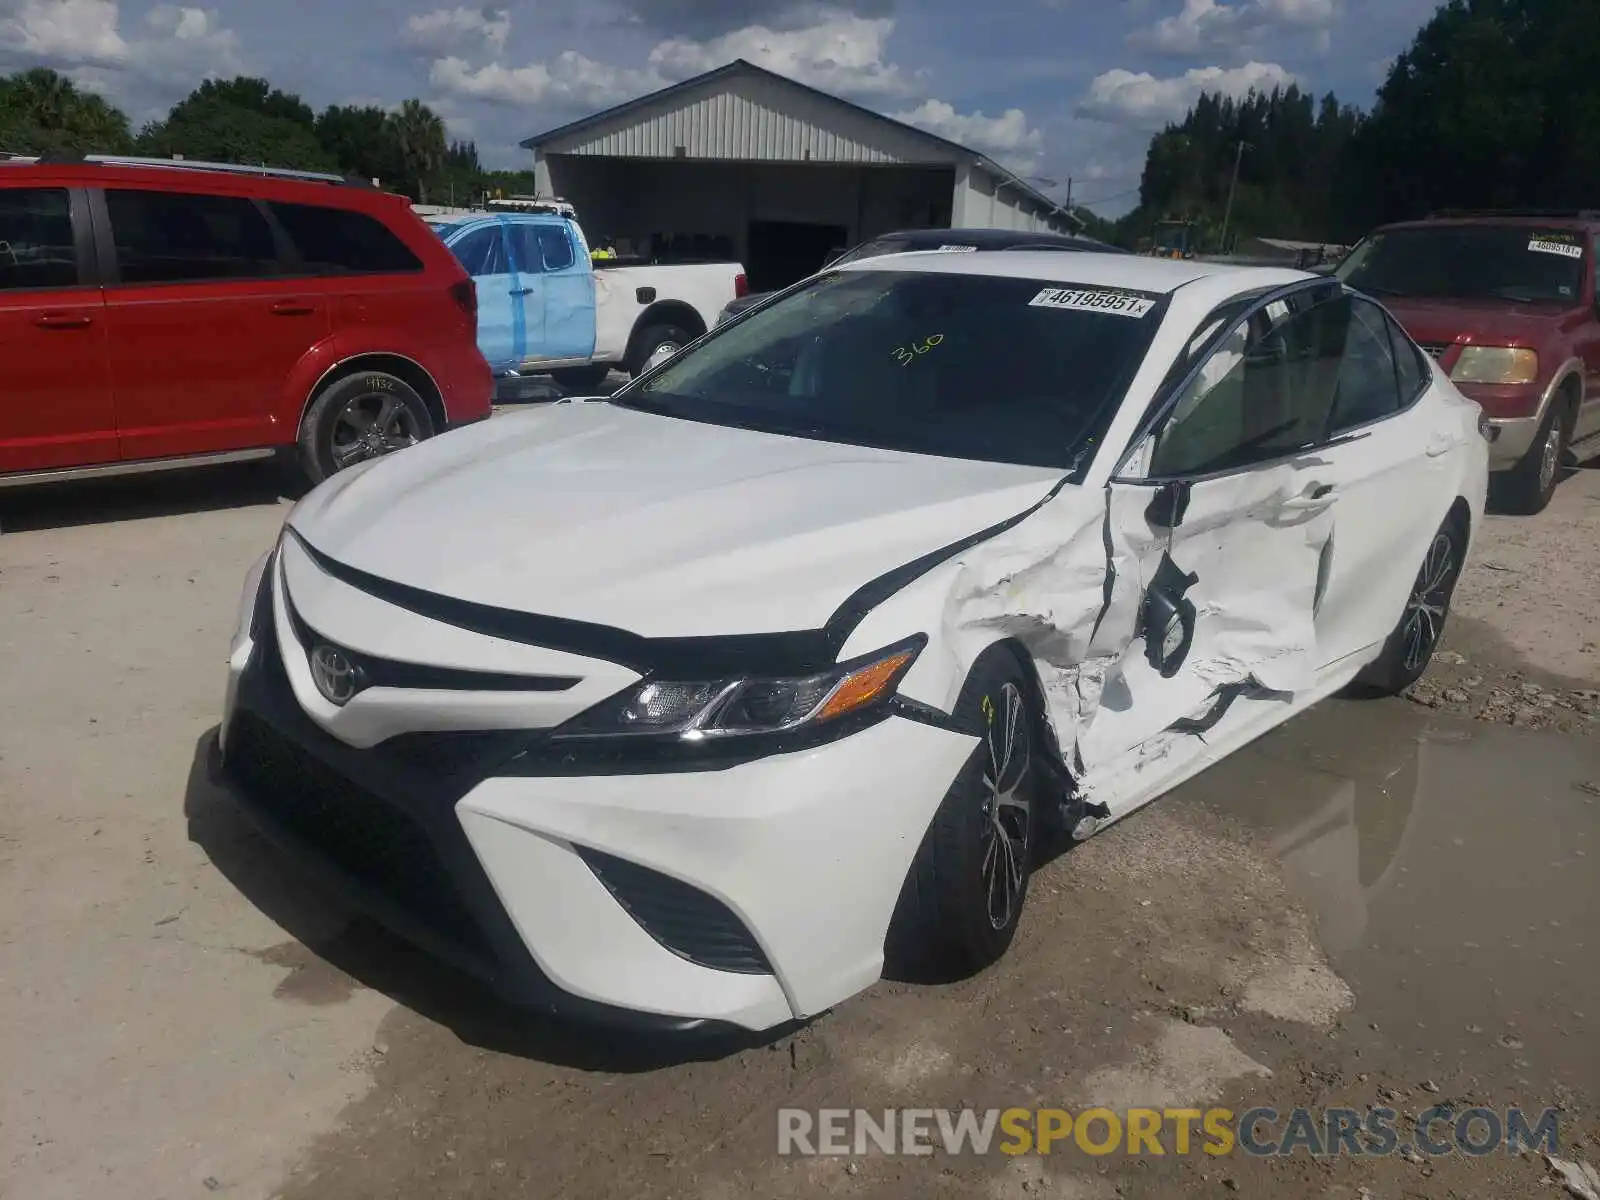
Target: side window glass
[176,237]
[1369,382]
[1411,367]
[337,241]
[540,247]
[481,253]
[556,246]
[1265,393]
[36,244]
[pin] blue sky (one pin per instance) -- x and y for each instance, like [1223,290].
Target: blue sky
[1055,89]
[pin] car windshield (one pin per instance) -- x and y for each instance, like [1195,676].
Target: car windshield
[963,366]
[1469,262]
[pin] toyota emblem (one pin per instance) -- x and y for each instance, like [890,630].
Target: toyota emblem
[337,678]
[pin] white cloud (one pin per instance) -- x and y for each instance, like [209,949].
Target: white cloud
[1204,26]
[1142,99]
[165,55]
[65,31]
[1007,136]
[840,52]
[570,77]
[450,28]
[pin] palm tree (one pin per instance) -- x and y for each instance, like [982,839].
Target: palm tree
[43,110]
[420,134]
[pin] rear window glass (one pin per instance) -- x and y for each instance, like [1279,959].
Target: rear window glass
[338,241]
[963,366]
[1520,263]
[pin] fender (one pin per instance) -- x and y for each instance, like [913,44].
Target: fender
[318,363]
[1571,369]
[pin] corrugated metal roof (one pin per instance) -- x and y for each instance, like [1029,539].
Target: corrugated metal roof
[743,112]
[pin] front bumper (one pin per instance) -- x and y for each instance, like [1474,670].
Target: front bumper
[1512,434]
[751,895]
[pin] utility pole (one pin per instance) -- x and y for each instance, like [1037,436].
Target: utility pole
[1227,213]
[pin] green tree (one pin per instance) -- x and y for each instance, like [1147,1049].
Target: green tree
[362,141]
[420,134]
[242,120]
[42,111]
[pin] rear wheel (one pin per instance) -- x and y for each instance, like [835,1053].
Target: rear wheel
[657,344]
[1526,489]
[960,905]
[362,416]
[1410,646]
[582,381]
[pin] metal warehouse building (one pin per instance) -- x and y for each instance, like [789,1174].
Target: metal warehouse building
[744,163]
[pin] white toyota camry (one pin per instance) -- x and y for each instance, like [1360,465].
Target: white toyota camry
[681,706]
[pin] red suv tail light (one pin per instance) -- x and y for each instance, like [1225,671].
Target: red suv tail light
[465,294]
[741,286]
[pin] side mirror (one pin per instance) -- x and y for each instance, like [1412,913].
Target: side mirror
[1168,619]
[1167,508]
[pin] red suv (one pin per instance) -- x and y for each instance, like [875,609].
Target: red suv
[1509,305]
[158,314]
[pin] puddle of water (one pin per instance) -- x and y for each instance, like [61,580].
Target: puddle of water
[1453,872]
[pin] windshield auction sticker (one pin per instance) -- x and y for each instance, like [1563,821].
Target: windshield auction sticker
[1121,304]
[1556,243]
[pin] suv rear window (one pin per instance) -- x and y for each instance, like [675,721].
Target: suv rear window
[1522,263]
[36,245]
[177,237]
[337,241]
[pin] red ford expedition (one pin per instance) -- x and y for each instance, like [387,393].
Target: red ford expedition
[157,314]
[1509,305]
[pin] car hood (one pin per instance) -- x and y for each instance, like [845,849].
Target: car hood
[664,527]
[1483,322]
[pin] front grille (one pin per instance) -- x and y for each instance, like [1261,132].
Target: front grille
[1436,349]
[358,831]
[684,919]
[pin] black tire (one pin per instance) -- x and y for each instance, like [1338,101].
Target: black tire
[957,912]
[653,338]
[582,381]
[361,416]
[1409,648]
[1526,489]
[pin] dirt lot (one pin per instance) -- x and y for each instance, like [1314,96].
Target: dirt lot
[1383,903]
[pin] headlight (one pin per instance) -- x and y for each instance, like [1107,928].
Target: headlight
[1495,364]
[696,710]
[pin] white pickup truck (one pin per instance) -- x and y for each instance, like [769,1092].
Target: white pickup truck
[545,306]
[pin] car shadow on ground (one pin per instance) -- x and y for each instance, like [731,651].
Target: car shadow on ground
[135,497]
[381,961]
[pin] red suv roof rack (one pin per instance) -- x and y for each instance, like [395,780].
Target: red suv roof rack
[1560,214]
[184,164]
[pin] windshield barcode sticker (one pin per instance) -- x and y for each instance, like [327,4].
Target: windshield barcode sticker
[1565,249]
[1082,300]
[954,249]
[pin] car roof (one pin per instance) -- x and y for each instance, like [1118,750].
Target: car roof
[984,239]
[178,177]
[1161,276]
[1514,220]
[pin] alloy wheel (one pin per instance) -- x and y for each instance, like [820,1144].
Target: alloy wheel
[1007,805]
[370,425]
[1550,453]
[1424,619]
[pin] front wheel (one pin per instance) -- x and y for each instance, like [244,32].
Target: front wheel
[362,416]
[1409,648]
[960,905]
[1526,489]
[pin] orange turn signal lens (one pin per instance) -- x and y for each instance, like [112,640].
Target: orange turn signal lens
[862,687]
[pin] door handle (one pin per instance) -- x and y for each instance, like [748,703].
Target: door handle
[1318,495]
[292,308]
[522,291]
[63,321]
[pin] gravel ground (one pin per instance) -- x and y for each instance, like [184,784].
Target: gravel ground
[1322,919]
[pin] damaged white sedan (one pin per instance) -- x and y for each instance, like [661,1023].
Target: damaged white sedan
[682,705]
